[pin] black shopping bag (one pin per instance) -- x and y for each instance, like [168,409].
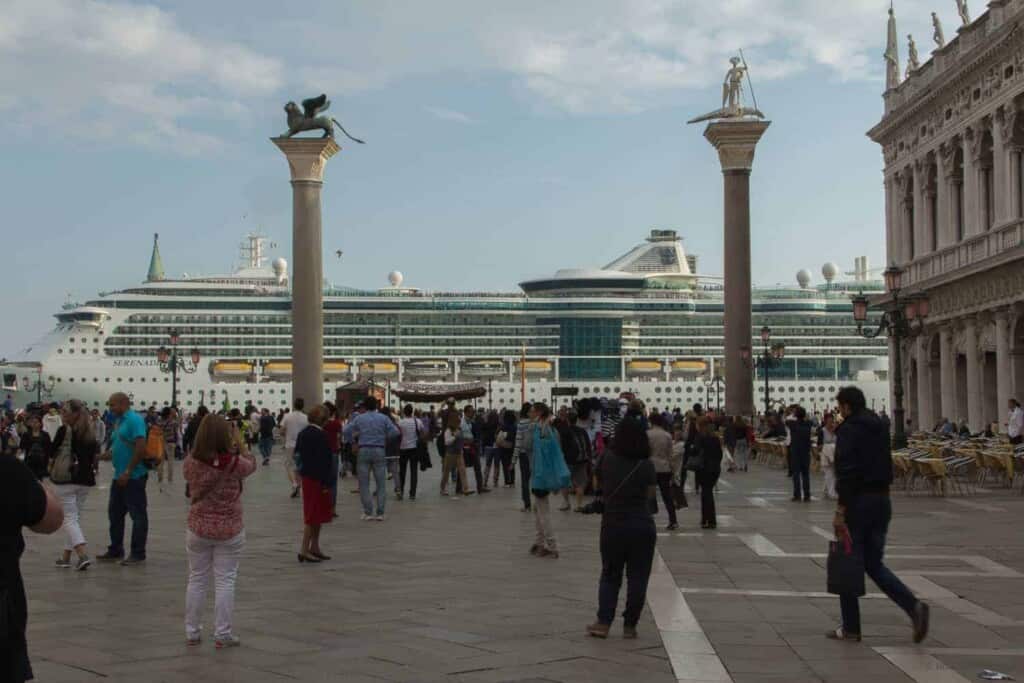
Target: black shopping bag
[845,569]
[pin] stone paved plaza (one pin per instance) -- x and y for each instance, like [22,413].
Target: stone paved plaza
[446,591]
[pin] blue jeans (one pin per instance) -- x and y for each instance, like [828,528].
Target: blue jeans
[131,500]
[372,457]
[868,518]
[266,446]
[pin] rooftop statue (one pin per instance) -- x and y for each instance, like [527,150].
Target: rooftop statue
[913,64]
[965,14]
[939,37]
[732,97]
[311,118]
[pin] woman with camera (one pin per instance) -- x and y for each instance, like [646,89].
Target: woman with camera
[214,471]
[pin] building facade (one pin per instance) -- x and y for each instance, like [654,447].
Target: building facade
[952,138]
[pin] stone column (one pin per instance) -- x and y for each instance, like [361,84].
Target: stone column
[947,373]
[1000,169]
[735,140]
[890,221]
[944,185]
[1004,370]
[306,160]
[925,417]
[1013,194]
[975,406]
[920,209]
[971,141]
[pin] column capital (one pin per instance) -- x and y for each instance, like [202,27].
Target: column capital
[735,141]
[307,156]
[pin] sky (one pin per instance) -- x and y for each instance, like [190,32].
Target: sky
[505,138]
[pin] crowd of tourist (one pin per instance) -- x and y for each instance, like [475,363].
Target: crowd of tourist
[616,458]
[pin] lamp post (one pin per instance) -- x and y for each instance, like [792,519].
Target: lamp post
[901,319]
[715,383]
[171,361]
[38,386]
[202,396]
[771,357]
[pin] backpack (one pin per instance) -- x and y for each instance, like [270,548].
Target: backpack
[154,447]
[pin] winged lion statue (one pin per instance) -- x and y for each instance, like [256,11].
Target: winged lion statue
[311,117]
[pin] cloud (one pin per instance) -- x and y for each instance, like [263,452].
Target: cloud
[106,69]
[172,76]
[598,56]
[446,114]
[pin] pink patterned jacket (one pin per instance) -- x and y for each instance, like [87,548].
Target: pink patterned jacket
[216,490]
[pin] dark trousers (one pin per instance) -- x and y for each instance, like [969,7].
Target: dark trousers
[472,457]
[408,459]
[706,481]
[867,518]
[801,476]
[665,486]
[129,499]
[626,544]
[524,480]
[508,472]
[335,471]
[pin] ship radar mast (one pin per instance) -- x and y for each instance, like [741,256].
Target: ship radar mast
[252,250]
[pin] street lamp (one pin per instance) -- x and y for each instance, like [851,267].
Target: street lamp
[716,383]
[171,361]
[770,357]
[901,318]
[39,386]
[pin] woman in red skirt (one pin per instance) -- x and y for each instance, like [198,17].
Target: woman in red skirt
[313,454]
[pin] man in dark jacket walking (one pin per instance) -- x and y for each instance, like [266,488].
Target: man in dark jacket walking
[863,463]
[800,455]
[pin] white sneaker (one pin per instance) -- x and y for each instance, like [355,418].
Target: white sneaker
[365,517]
[379,518]
[227,641]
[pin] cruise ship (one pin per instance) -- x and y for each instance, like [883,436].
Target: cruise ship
[647,324]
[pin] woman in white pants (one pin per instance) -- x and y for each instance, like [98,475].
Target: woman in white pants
[73,473]
[214,471]
[827,442]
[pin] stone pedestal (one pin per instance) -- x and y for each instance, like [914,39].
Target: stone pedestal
[306,160]
[735,141]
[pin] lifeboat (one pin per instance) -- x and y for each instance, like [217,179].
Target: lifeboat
[231,369]
[689,367]
[537,367]
[644,367]
[378,369]
[427,368]
[336,369]
[483,368]
[277,369]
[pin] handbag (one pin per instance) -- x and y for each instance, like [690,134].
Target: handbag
[550,472]
[63,467]
[845,569]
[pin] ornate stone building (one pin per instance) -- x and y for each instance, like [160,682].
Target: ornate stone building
[953,142]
